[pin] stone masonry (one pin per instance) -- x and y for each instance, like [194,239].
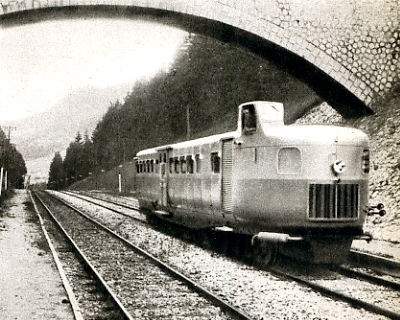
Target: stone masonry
[355,42]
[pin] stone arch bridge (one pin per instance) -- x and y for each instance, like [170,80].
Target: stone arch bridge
[350,48]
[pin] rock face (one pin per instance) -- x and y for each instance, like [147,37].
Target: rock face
[383,129]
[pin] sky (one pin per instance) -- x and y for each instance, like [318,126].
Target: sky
[43,62]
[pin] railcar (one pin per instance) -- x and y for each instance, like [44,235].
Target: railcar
[300,186]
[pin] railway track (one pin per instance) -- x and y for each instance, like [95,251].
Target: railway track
[327,288]
[161,291]
[359,289]
[377,263]
[120,204]
[91,297]
[369,275]
[115,206]
[364,260]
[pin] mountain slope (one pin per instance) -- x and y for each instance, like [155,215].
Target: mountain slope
[40,136]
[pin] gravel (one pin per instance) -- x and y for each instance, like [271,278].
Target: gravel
[91,300]
[145,290]
[257,292]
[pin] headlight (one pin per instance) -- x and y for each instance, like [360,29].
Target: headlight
[365,161]
[338,167]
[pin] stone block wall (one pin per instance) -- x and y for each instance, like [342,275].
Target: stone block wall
[355,42]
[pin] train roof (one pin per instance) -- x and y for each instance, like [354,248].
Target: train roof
[190,143]
[314,134]
[284,135]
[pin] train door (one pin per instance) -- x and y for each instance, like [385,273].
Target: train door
[227,163]
[163,195]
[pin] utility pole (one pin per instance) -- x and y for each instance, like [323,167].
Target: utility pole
[8,129]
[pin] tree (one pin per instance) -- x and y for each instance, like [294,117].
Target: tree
[56,173]
[12,161]
[210,79]
[86,161]
[78,138]
[79,159]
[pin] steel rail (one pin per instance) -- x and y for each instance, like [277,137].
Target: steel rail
[324,290]
[104,206]
[105,200]
[377,263]
[338,295]
[125,314]
[365,276]
[67,286]
[236,313]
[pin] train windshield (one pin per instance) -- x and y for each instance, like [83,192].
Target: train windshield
[270,113]
[249,120]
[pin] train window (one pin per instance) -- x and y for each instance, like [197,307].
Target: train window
[183,164]
[165,157]
[289,160]
[137,168]
[156,168]
[176,161]
[215,162]
[171,165]
[190,163]
[249,120]
[198,163]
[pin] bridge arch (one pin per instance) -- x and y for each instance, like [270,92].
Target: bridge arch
[347,52]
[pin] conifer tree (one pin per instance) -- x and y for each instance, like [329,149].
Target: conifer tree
[56,173]
[12,162]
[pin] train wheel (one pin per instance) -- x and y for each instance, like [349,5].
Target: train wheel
[150,217]
[265,255]
[202,238]
[240,246]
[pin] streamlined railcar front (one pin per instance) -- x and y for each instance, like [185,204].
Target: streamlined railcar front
[302,184]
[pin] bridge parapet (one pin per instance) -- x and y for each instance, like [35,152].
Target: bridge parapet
[355,42]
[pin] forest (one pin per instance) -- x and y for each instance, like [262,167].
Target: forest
[12,161]
[203,87]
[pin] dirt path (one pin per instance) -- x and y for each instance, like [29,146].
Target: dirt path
[30,286]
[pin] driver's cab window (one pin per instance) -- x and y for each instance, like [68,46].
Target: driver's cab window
[249,120]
